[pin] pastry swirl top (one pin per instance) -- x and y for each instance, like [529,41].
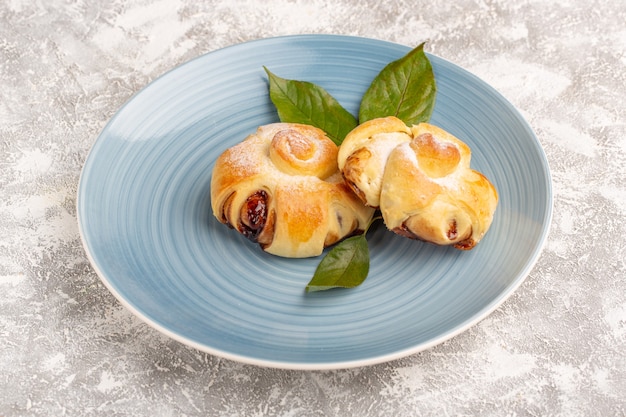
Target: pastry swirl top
[281,187]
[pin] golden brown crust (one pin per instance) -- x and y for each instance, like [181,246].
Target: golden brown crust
[281,187]
[427,189]
[363,154]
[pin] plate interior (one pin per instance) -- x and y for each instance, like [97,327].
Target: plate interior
[146,223]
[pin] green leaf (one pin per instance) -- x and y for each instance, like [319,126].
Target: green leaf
[346,265]
[405,88]
[307,103]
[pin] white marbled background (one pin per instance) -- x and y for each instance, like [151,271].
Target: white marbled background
[557,347]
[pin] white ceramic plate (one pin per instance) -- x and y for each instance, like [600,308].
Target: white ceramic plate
[146,223]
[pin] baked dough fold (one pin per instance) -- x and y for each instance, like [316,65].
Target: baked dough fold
[281,187]
[420,179]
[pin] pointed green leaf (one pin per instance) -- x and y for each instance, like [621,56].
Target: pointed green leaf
[307,103]
[405,88]
[346,265]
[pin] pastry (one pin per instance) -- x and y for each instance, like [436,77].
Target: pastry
[420,179]
[281,187]
[364,152]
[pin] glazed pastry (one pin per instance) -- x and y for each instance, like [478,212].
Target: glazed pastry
[420,178]
[281,187]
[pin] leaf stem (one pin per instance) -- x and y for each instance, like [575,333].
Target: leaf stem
[367,228]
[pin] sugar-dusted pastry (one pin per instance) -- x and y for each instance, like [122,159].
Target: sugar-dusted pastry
[364,152]
[420,178]
[281,187]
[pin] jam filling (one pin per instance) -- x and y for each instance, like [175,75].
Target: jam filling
[254,215]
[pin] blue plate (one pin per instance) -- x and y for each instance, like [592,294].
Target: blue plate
[145,218]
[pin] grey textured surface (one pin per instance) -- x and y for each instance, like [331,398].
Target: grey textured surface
[557,347]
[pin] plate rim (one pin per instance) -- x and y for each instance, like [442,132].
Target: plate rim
[463,326]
